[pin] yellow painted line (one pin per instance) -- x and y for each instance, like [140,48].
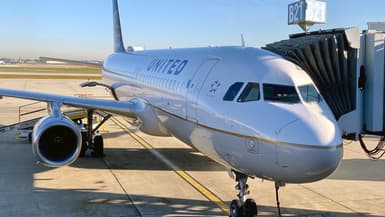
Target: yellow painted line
[185,176]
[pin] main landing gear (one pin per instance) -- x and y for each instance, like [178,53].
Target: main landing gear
[243,207]
[91,139]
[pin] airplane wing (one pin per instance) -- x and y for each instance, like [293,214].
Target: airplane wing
[111,106]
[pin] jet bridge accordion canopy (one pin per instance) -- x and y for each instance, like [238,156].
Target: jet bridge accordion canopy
[330,58]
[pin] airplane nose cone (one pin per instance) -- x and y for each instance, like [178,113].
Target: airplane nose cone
[321,163]
[316,130]
[311,149]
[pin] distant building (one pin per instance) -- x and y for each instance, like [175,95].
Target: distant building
[54,62]
[378,26]
[31,61]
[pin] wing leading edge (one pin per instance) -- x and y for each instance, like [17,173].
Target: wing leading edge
[110,106]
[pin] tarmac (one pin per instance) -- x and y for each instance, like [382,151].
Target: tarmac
[143,175]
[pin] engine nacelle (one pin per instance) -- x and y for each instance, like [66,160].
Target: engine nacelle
[56,141]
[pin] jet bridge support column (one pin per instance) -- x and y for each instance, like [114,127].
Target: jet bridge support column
[374,87]
[374,90]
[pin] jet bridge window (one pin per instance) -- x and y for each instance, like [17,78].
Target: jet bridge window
[309,94]
[280,93]
[233,91]
[250,93]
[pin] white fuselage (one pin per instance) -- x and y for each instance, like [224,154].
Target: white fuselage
[294,141]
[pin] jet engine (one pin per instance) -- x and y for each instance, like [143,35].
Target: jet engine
[56,141]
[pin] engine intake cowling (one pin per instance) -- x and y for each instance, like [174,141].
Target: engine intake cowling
[56,141]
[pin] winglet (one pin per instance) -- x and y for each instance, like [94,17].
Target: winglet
[118,39]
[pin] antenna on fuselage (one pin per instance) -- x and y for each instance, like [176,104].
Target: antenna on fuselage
[242,41]
[118,38]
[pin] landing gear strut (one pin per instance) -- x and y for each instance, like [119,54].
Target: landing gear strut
[277,186]
[242,207]
[91,139]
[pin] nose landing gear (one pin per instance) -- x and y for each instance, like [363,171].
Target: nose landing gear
[242,207]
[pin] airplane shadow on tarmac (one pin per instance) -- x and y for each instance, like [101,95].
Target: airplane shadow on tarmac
[85,202]
[141,159]
[186,159]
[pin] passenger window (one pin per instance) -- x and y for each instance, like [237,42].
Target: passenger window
[250,93]
[233,91]
[280,93]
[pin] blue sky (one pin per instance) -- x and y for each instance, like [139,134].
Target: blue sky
[83,28]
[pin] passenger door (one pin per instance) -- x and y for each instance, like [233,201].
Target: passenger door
[194,87]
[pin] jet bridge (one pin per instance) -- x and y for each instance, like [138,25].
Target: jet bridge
[348,69]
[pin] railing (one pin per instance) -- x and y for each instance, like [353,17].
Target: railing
[30,112]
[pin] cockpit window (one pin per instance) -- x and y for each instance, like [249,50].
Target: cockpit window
[280,93]
[233,91]
[309,93]
[250,93]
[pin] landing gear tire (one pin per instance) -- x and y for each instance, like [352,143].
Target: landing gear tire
[242,207]
[30,137]
[98,146]
[84,145]
[250,208]
[236,208]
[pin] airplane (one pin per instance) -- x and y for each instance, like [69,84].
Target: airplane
[246,108]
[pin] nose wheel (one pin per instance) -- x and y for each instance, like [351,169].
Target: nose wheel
[236,208]
[242,207]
